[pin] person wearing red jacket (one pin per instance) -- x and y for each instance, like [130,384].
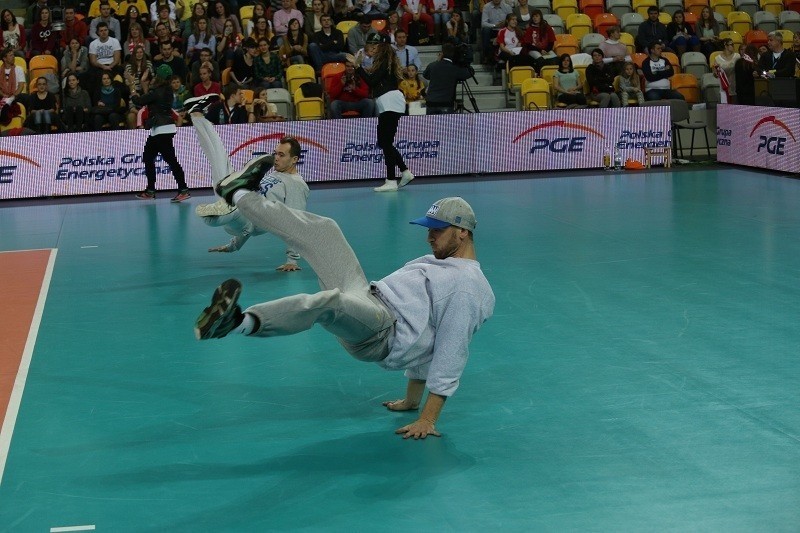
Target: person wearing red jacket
[539,39]
[416,10]
[349,92]
[73,28]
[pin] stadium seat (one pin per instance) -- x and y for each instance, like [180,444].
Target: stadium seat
[565,8]
[641,6]
[788,38]
[765,21]
[16,122]
[517,75]
[345,26]
[772,6]
[723,7]
[695,6]
[740,22]
[225,77]
[670,6]
[591,8]
[590,41]
[41,65]
[307,108]
[690,18]
[555,22]
[673,60]
[619,7]
[688,86]
[789,20]
[603,21]
[566,43]
[709,85]
[664,18]
[632,101]
[679,114]
[722,21]
[694,63]
[734,36]
[792,5]
[748,6]
[579,25]
[542,5]
[535,93]
[756,37]
[711,60]
[282,100]
[628,41]
[379,25]
[297,75]
[245,13]
[631,22]
[638,58]
[328,71]
[21,63]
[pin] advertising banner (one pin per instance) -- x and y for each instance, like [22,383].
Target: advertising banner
[74,164]
[755,136]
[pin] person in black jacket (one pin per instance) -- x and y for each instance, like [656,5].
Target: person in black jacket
[777,62]
[444,76]
[601,81]
[161,122]
[383,77]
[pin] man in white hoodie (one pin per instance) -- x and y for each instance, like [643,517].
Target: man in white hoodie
[420,318]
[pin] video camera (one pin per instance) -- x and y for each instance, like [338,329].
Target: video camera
[462,56]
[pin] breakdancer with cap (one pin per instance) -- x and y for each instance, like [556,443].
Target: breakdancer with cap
[420,318]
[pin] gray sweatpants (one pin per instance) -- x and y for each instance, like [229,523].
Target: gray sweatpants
[345,306]
[213,149]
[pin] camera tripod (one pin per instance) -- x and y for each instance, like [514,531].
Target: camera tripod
[466,92]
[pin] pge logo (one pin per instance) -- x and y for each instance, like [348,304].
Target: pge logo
[304,141]
[772,144]
[565,144]
[7,170]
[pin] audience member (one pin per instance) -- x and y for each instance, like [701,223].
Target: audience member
[200,38]
[230,109]
[156,6]
[140,13]
[268,69]
[629,85]
[75,105]
[263,109]
[243,71]
[114,28]
[108,104]
[601,81]
[185,8]
[206,60]
[12,34]
[615,53]
[169,57]
[344,10]
[509,43]
[392,25]
[328,45]
[138,74]
[44,39]
[493,18]
[441,11]
[261,29]
[73,28]
[41,107]
[681,35]
[725,62]
[294,49]
[458,32]
[282,17]
[206,85]
[228,44]
[745,73]
[32,12]
[707,31]
[416,11]
[75,60]
[259,11]
[313,19]
[358,34]
[165,19]
[179,95]
[651,31]
[12,83]
[221,14]
[105,55]
[777,62]
[412,85]
[349,92]
[539,40]
[523,12]
[657,72]
[406,54]
[135,39]
[187,26]
[567,83]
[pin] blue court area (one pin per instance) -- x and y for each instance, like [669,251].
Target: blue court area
[641,372]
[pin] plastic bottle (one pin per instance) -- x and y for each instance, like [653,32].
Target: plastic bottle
[617,159]
[607,160]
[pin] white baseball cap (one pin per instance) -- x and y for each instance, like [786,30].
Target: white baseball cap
[453,211]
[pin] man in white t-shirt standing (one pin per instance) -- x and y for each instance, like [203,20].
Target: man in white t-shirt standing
[105,55]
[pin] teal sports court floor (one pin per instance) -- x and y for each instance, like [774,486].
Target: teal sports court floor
[641,371]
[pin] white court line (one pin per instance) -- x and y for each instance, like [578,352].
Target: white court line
[71,528]
[24,364]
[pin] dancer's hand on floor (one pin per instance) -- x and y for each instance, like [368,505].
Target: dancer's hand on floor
[400,405]
[418,430]
[288,267]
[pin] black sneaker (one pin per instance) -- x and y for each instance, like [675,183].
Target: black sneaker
[146,195]
[219,318]
[199,104]
[249,177]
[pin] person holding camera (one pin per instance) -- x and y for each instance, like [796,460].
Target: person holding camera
[349,92]
[443,75]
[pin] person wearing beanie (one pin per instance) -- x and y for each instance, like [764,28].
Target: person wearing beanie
[420,318]
[161,122]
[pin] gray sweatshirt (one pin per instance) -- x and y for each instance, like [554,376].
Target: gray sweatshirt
[439,304]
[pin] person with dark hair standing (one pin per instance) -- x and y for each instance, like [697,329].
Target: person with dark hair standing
[161,122]
[383,77]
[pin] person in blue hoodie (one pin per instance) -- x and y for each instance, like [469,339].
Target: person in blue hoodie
[420,318]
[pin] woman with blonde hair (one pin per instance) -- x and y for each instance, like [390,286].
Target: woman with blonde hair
[384,78]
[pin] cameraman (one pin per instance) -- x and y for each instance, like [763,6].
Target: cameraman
[443,76]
